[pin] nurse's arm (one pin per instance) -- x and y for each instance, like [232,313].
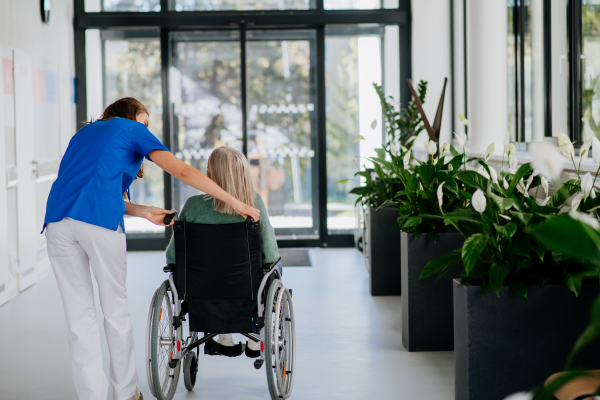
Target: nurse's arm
[191,176]
[155,215]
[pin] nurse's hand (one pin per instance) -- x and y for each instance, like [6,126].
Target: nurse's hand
[245,210]
[156,215]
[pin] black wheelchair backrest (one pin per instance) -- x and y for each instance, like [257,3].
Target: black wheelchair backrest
[218,270]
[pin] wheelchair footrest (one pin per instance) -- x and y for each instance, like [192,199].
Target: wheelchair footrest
[173,362]
[258,363]
[212,348]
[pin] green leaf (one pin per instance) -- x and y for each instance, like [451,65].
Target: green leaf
[521,172]
[520,287]
[465,215]
[412,221]
[498,273]
[380,153]
[507,230]
[473,179]
[341,181]
[358,138]
[472,250]
[503,203]
[564,235]
[426,173]
[523,217]
[388,203]
[439,264]
[567,190]
[589,335]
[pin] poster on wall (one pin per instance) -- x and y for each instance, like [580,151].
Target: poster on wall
[8,126]
[47,141]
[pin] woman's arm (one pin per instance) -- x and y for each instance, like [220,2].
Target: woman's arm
[152,214]
[191,176]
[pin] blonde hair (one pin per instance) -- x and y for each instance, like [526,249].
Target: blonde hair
[230,170]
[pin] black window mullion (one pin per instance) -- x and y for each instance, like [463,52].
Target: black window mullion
[166,52]
[405,54]
[547,68]
[321,150]
[574,29]
[521,120]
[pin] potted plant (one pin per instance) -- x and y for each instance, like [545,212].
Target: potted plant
[431,188]
[379,184]
[517,303]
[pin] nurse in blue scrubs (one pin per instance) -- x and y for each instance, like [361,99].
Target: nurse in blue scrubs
[84,228]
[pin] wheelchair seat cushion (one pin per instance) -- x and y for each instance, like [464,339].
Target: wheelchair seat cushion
[218,270]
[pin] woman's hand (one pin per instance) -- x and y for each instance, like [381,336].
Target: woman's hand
[245,210]
[156,215]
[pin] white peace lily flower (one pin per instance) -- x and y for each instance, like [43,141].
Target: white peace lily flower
[545,185]
[461,138]
[510,149]
[490,150]
[565,146]
[513,164]
[440,194]
[446,148]
[521,188]
[506,139]
[529,182]
[494,174]
[587,183]
[450,167]
[463,119]
[593,193]
[479,201]
[482,171]
[545,201]
[420,186]
[596,150]
[412,139]
[407,160]
[393,149]
[584,151]
[505,216]
[504,184]
[547,159]
[585,218]
[576,201]
[431,147]
[404,149]
[520,396]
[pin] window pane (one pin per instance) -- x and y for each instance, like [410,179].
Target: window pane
[122,5]
[281,124]
[590,69]
[132,67]
[216,5]
[353,62]
[359,4]
[206,96]
[560,68]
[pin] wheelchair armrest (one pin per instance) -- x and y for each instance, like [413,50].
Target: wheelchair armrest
[169,268]
[265,270]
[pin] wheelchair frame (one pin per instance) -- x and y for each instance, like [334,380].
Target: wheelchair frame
[280,378]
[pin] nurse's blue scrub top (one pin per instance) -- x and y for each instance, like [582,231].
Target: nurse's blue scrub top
[101,162]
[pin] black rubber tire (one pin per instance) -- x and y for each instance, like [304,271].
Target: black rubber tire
[190,370]
[276,285]
[169,391]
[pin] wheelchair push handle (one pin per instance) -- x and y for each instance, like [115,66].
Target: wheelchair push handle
[169,217]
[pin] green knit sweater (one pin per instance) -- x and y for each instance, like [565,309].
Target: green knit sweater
[199,210]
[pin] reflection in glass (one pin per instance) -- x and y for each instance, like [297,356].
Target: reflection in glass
[216,5]
[560,67]
[130,5]
[206,96]
[133,68]
[590,69]
[353,62]
[281,122]
[525,70]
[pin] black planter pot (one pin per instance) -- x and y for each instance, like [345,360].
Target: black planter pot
[427,312]
[510,344]
[383,251]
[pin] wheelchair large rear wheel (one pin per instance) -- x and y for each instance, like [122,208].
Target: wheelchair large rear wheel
[149,343]
[162,345]
[280,341]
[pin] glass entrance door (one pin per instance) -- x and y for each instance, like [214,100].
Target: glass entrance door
[207,77]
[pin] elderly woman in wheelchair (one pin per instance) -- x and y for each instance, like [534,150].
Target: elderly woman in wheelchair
[224,278]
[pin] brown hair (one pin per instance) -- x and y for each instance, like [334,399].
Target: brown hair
[128,108]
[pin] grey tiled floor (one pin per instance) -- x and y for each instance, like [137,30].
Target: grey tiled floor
[349,343]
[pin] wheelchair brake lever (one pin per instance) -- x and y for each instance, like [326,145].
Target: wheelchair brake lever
[169,217]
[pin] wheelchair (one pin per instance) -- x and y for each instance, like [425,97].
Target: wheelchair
[218,282]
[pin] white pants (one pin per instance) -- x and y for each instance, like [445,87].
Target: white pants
[72,247]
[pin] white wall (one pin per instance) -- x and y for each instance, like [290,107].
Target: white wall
[51,47]
[431,57]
